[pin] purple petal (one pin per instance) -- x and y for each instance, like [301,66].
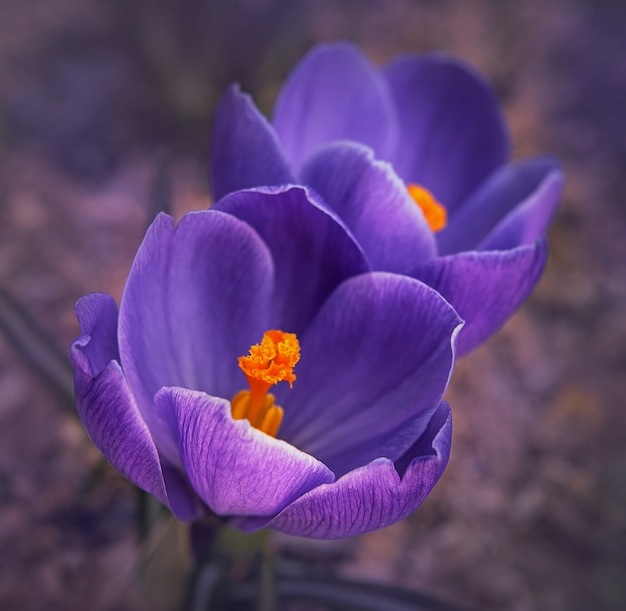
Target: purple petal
[375,364]
[97,317]
[334,93]
[196,299]
[373,496]
[311,249]
[453,134]
[485,287]
[245,151]
[530,220]
[109,413]
[235,468]
[533,185]
[375,205]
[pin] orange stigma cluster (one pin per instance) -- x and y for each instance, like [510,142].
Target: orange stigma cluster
[434,213]
[268,363]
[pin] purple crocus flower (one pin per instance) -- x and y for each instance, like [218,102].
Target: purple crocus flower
[373,143]
[168,395]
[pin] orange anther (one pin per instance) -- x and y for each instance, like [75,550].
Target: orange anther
[272,360]
[434,213]
[268,363]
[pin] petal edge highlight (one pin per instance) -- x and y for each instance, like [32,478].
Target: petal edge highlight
[485,287]
[392,338]
[235,468]
[374,204]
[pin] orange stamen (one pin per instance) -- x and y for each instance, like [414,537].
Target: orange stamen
[434,213]
[268,363]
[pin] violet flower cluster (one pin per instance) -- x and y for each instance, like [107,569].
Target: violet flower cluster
[359,137]
[348,243]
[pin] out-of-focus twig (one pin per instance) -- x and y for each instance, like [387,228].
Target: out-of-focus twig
[161,190]
[266,596]
[38,350]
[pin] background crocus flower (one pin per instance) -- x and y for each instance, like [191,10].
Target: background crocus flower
[169,394]
[414,159]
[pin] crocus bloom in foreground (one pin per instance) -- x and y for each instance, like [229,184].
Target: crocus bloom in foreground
[443,205]
[265,291]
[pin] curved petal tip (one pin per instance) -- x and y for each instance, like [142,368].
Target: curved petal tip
[376,495]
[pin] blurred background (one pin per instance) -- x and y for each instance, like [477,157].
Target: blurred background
[103,101]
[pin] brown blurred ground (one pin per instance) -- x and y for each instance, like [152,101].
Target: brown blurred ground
[531,513]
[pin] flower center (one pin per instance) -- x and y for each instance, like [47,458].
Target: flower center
[434,213]
[268,363]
